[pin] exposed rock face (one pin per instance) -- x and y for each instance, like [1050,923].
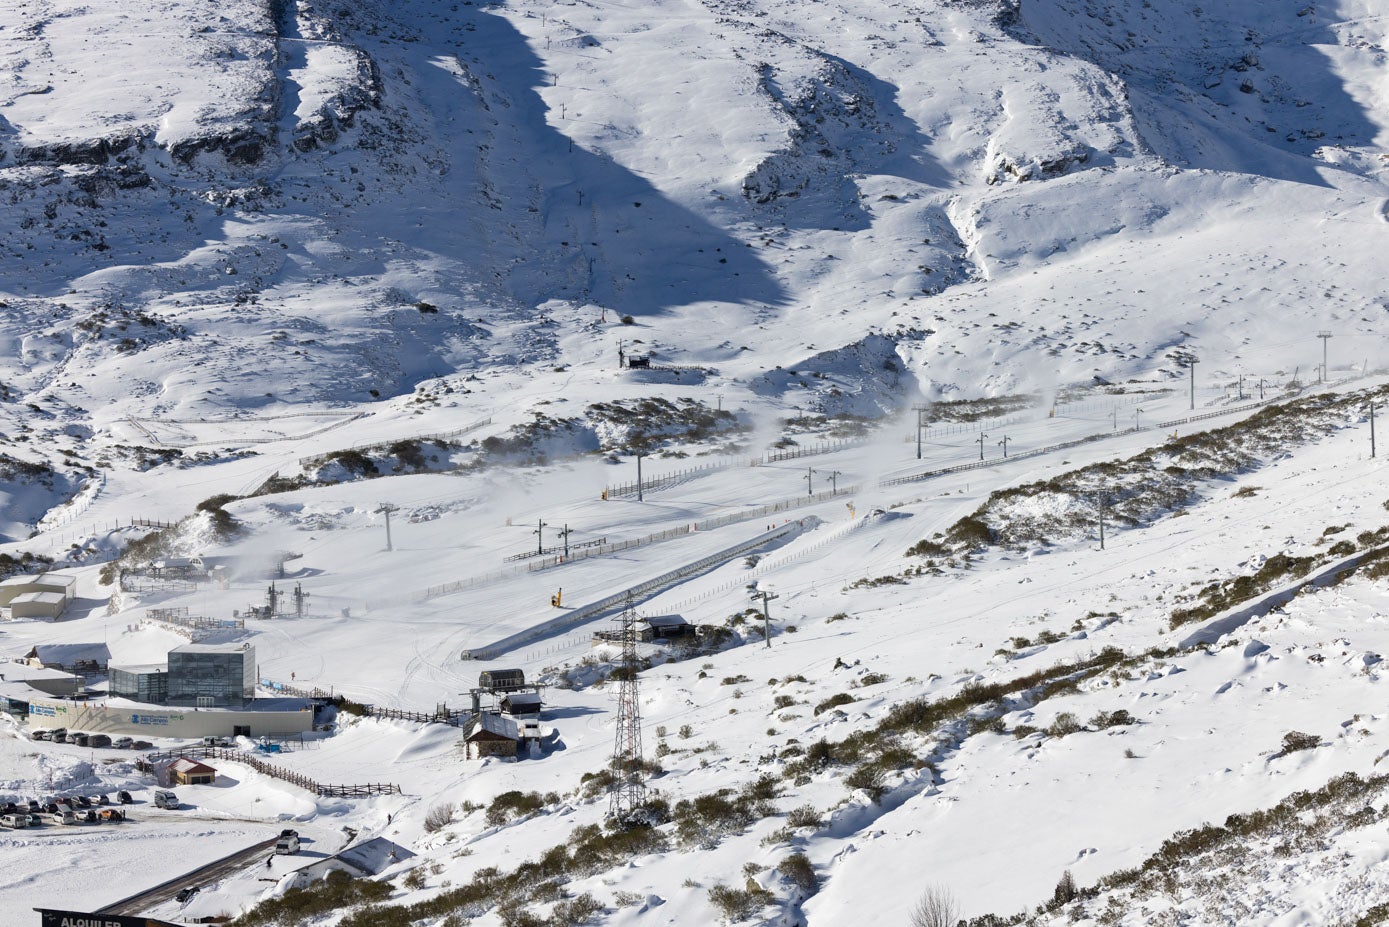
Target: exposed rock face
[339,112]
[245,146]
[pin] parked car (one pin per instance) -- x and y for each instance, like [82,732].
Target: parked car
[141,745]
[103,799]
[40,734]
[59,735]
[164,799]
[89,816]
[185,893]
[99,740]
[35,820]
[83,801]
[63,817]
[122,743]
[18,819]
[217,741]
[8,807]
[51,807]
[79,738]
[124,797]
[33,806]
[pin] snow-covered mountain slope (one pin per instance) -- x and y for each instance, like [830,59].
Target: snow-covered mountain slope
[286,203]
[283,262]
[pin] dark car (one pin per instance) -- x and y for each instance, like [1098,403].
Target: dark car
[8,807]
[89,817]
[124,797]
[79,738]
[99,740]
[83,801]
[185,893]
[141,745]
[34,807]
[50,808]
[103,799]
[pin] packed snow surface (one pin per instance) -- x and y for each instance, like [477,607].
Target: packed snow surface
[316,266]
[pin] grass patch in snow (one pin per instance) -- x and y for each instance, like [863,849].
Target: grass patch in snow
[1141,489]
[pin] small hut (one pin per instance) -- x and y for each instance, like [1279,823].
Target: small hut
[185,771]
[521,703]
[493,735]
[666,627]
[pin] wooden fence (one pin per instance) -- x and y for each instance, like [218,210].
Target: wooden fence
[442,716]
[148,762]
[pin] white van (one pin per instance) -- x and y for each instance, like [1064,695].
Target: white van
[63,817]
[166,800]
[287,845]
[14,820]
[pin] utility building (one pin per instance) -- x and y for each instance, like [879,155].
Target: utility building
[147,683]
[48,605]
[76,658]
[521,703]
[501,680]
[185,771]
[666,627]
[493,735]
[14,586]
[212,675]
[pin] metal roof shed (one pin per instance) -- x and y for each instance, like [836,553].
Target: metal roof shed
[50,605]
[521,703]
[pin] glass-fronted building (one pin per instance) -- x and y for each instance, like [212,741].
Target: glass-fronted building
[148,683]
[212,675]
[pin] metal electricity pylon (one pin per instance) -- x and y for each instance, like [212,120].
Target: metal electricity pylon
[628,792]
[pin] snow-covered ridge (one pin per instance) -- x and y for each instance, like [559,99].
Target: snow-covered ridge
[284,247]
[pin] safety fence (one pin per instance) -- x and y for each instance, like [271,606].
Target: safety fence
[234,442]
[443,715]
[377,445]
[633,593]
[284,688]
[707,524]
[665,481]
[812,450]
[797,502]
[150,761]
[193,627]
[561,551]
[939,430]
[77,505]
[1050,448]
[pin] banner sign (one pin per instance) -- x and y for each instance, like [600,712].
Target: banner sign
[80,919]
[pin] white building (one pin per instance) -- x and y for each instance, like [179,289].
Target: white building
[49,605]
[15,586]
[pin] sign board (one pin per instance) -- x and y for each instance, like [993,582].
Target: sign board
[80,919]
